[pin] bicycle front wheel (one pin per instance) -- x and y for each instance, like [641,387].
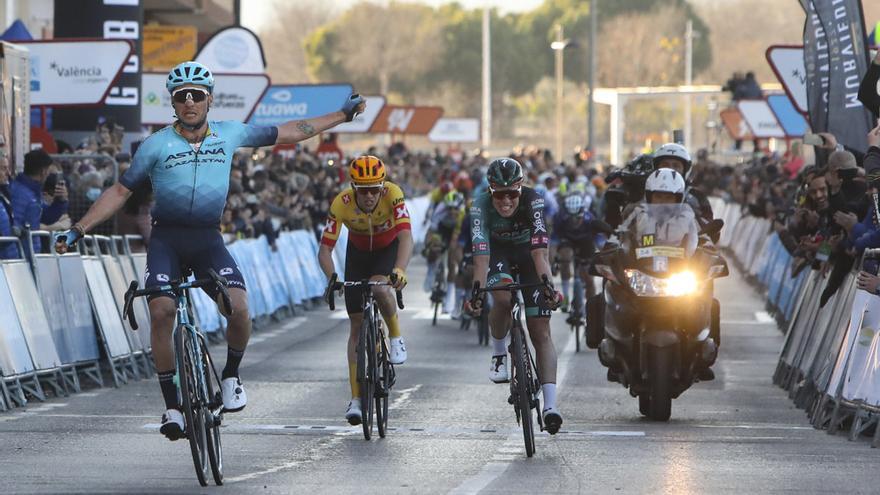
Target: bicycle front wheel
[523,402]
[366,377]
[212,420]
[189,384]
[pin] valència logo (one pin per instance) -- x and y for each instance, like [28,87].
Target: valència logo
[75,71]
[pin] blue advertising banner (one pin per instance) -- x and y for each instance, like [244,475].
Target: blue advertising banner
[294,102]
[792,122]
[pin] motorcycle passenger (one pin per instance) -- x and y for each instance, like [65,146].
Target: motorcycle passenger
[509,234]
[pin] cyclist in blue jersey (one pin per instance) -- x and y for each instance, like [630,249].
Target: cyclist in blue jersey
[189,164]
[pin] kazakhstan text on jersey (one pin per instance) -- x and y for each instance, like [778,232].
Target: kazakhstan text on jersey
[190,187]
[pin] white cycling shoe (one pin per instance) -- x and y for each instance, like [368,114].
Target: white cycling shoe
[173,425]
[498,369]
[397,354]
[353,415]
[234,396]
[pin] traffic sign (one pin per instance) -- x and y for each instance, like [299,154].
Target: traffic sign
[787,61]
[735,124]
[284,103]
[760,117]
[793,123]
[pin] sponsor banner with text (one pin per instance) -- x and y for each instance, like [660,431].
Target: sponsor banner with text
[235,97]
[167,46]
[399,119]
[283,103]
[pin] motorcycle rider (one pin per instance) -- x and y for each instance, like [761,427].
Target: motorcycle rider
[665,186]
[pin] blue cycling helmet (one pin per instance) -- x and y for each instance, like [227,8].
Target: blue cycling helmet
[190,73]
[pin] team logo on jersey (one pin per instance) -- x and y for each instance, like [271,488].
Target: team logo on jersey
[539,222]
[382,228]
[539,239]
[400,211]
[482,246]
[161,277]
[346,199]
[226,271]
[330,228]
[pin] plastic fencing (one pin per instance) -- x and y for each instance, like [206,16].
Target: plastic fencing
[62,314]
[830,359]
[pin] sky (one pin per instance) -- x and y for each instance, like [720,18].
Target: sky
[256,12]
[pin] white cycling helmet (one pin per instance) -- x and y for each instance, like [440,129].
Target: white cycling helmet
[575,204]
[673,150]
[665,180]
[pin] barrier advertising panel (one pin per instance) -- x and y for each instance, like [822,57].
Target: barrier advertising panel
[295,102]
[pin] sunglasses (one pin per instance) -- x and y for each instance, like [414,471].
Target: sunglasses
[507,193]
[194,94]
[365,190]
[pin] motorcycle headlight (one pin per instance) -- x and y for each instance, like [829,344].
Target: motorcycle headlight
[678,284]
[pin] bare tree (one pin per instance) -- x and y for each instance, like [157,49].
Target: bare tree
[283,38]
[642,49]
[396,43]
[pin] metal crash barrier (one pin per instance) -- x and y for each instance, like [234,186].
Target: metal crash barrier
[830,359]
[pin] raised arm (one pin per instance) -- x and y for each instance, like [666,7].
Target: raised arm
[299,130]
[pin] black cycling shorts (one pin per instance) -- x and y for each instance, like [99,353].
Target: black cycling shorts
[196,248]
[361,265]
[505,261]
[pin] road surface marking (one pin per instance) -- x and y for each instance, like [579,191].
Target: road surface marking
[764,317]
[403,398]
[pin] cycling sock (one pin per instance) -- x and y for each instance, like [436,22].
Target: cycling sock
[459,297]
[450,300]
[549,392]
[566,288]
[393,326]
[169,389]
[353,381]
[499,346]
[233,359]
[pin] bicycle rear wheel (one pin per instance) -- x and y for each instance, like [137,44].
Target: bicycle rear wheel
[366,378]
[190,402]
[523,402]
[212,420]
[383,387]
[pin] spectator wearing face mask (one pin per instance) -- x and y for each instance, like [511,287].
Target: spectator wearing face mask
[30,207]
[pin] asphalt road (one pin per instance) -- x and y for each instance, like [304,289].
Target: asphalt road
[453,431]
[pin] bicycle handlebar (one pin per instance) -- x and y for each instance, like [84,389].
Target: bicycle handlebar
[213,279]
[477,302]
[335,285]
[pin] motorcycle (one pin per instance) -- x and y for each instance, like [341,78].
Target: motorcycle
[656,323]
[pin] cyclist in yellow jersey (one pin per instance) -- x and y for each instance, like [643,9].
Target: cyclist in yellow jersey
[379,244]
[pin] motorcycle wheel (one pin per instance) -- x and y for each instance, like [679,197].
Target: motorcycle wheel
[659,373]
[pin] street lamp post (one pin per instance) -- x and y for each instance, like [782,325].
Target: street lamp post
[558,46]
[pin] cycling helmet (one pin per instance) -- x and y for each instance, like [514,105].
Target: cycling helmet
[665,180]
[463,182]
[366,170]
[453,200]
[575,204]
[504,172]
[673,150]
[190,73]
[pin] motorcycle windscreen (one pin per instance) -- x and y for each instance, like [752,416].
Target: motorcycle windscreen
[660,238]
